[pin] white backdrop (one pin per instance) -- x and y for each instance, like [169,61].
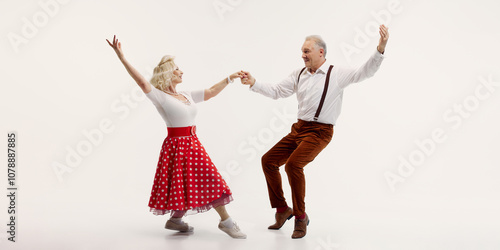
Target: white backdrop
[413,164]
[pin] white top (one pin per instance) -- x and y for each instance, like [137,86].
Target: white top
[310,88]
[175,112]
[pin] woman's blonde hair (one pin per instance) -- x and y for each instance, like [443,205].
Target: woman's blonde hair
[163,73]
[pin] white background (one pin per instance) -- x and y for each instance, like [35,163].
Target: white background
[63,80]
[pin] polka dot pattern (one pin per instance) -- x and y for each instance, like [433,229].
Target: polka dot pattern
[186,178]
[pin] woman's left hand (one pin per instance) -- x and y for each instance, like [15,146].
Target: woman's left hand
[236,75]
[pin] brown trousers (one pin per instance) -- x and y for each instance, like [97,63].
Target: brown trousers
[295,151]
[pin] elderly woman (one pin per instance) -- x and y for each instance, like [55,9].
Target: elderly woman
[186,181]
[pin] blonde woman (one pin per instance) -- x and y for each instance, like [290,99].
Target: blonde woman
[186,181]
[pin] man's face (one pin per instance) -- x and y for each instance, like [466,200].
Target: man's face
[312,55]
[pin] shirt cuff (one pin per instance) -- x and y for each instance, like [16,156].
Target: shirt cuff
[256,86]
[378,54]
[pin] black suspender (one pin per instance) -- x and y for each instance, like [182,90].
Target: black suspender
[325,89]
[298,78]
[324,93]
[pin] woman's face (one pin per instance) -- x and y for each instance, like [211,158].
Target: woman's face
[177,78]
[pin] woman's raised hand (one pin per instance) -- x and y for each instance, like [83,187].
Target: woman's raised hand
[138,78]
[117,46]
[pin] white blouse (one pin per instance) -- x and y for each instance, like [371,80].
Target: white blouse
[175,112]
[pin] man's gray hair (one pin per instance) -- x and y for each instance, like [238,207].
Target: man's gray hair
[318,41]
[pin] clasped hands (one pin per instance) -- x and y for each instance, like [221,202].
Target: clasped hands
[245,77]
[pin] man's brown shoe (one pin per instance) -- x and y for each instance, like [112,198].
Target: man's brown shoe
[281,218]
[300,228]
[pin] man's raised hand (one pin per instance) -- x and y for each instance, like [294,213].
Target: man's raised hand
[384,36]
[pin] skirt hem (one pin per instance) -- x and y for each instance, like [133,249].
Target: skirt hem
[221,201]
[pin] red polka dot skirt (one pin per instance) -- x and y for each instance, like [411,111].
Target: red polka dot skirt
[186,179]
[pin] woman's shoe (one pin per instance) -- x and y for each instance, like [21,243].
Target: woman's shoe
[233,231]
[180,226]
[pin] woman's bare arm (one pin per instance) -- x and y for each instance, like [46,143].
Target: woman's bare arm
[138,78]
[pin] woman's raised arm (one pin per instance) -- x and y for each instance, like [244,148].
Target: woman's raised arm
[139,79]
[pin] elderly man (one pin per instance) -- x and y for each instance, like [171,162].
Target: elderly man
[319,87]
